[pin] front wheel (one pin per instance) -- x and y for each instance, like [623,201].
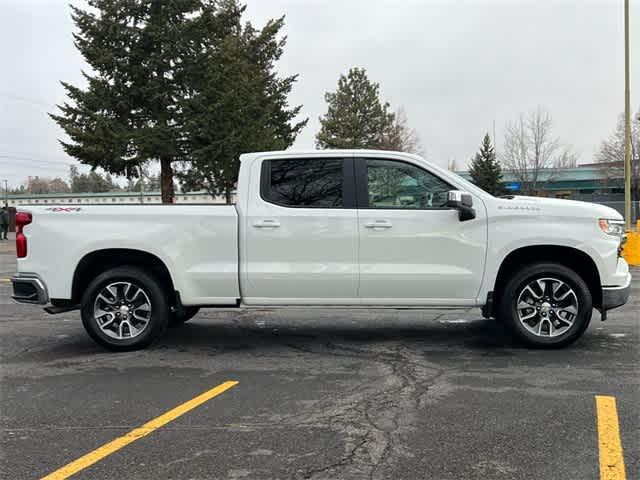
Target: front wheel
[124,309]
[545,305]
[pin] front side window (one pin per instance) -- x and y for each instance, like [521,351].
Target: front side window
[392,184]
[313,183]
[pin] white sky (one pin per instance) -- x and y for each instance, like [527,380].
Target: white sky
[455,66]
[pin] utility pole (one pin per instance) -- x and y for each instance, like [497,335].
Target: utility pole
[141,183]
[627,123]
[495,148]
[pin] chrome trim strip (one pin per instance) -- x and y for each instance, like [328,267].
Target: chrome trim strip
[42,295]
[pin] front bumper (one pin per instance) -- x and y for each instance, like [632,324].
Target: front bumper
[29,288]
[613,297]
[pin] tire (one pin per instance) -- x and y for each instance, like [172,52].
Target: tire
[132,317]
[538,302]
[179,317]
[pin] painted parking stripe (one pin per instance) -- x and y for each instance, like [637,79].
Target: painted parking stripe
[609,444]
[137,433]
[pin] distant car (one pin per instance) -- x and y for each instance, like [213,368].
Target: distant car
[327,228]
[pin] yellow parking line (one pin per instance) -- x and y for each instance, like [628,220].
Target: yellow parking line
[609,445]
[137,433]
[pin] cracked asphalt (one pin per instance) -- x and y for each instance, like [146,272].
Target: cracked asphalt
[322,394]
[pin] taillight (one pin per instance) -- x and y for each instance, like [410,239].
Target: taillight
[22,219]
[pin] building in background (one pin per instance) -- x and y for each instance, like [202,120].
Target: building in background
[594,182]
[589,182]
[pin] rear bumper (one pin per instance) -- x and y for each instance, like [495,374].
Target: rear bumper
[613,297]
[29,288]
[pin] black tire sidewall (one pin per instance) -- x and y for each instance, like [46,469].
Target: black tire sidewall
[159,308]
[509,297]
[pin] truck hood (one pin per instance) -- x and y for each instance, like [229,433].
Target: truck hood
[559,207]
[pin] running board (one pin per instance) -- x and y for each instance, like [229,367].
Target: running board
[55,310]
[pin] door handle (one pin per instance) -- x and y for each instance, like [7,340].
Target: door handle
[267,224]
[379,224]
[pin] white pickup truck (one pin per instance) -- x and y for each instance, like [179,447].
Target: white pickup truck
[348,228]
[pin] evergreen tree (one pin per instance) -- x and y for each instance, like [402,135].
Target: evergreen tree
[128,114]
[485,169]
[356,117]
[237,103]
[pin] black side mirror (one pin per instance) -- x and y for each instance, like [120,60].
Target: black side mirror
[463,202]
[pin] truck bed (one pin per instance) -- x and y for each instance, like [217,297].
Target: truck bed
[198,244]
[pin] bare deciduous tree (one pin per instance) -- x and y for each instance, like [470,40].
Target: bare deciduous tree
[567,159]
[611,154]
[400,137]
[612,149]
[46,185]
[531,152]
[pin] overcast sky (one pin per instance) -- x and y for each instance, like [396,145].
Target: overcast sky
[455,66]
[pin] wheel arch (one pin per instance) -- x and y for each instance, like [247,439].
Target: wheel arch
[570,257]
[98,261]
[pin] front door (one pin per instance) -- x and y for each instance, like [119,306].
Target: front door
[301,233]
[413,250]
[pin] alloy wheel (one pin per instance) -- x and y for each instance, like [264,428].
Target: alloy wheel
[547,307]
[122,310]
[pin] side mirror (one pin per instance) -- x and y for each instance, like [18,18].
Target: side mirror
[463,202]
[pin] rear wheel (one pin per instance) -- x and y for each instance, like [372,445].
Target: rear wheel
[124,309]
[546,305]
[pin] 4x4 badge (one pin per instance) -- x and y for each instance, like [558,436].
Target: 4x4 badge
[63,209]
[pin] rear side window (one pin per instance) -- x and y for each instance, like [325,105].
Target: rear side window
[311,183]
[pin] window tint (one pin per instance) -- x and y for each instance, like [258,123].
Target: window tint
[304,183]
[393,184]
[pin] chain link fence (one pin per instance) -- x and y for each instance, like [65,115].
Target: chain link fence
[614,201]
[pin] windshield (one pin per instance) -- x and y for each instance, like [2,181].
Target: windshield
[470,186]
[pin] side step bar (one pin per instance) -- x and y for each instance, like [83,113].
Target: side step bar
[52,310]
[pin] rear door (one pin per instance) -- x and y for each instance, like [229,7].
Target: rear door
[301,233]
[414,250]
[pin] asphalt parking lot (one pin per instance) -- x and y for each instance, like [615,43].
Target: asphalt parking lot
[383,394]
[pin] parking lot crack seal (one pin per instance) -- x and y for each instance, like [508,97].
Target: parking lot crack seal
[373,417]
[347,460]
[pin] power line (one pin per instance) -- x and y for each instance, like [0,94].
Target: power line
[19,161]
[33,102]
[4,151]
[51,170]
[31,159]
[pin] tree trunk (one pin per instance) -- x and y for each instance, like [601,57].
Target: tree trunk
[227,194]
[166,180]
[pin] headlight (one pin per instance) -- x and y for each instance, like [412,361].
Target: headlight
[612,227]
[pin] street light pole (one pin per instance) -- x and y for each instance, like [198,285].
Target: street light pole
[6,192]
[627,123]
[141,183]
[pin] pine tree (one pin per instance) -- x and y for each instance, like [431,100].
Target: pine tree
[356,117]
[237,104]
[485,169]
[127,116]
